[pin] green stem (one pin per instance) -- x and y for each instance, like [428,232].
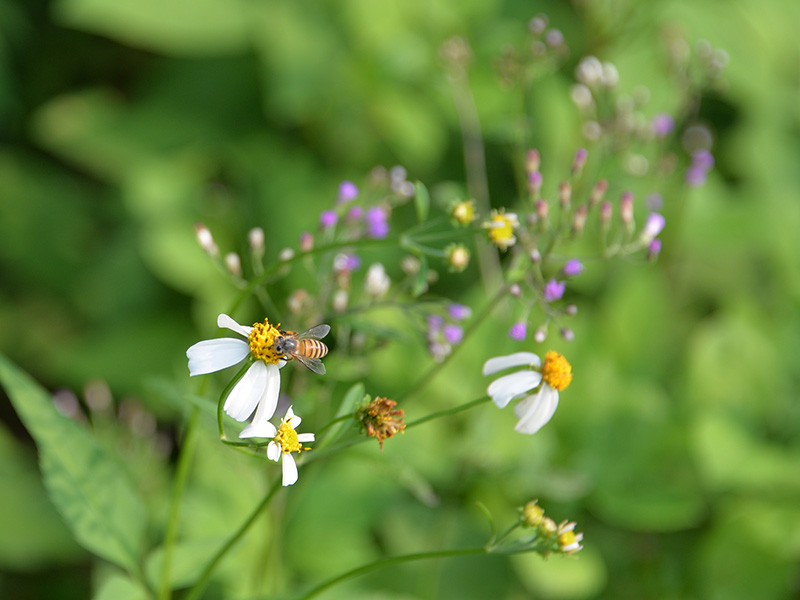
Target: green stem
[197,589]
[447,411]
[473,326]
[179,486]
[378,564]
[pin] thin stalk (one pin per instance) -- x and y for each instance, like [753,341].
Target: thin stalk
[395,560]
[197,589]
[178,488]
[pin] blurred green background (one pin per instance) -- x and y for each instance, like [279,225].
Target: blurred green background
[124,122]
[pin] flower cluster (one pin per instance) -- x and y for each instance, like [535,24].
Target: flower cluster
[444,332]
[559,538]
[258,388]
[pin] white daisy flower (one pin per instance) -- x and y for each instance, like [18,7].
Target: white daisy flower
[536,409]
[260,385]
[285,441]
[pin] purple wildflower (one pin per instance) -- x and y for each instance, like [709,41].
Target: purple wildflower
[695,176]
[572,267]
[554,290]
[662,125]
[459,312]
[703,159]
[377,224]
[453,333]
[328,218]
[347,192]
[355,213]
[653,226]
[518,331]
[654,249]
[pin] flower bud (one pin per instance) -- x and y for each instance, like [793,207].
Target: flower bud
[532,514]
[347,191]
[540,335]
[532,161]
[652,227]
[285,254]
[255,237]
[567,334]
[579,219]
[340,300]
[606,212]
[580,160]
[515,290]
[464,212]
[233,263]
[518,331]
[306,242]
[653,249]
[598,191]
[572,267]
[564,195]
[536,256]
[571,309]
[457,257]
[534,182]
[328,219]
[542,209]
[205,239]
[554,290]
[626,210]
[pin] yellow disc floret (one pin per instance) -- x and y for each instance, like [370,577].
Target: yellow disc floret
[464,212]
[262,342]
[532,514]
[556,372]
[501,228]
[287,438]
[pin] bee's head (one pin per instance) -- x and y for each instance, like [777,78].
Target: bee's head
[284,345]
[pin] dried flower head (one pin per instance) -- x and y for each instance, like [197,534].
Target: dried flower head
[380,419]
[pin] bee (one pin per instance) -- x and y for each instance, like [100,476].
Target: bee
[304,347]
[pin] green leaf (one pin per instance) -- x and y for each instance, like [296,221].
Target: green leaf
[422,201]
[87,485]
[350,402]
[421,279]
[120,587]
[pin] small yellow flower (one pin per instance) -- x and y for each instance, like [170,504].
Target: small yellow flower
[533,514]
[568,541]
[501,228]
[464,211]
[457,257]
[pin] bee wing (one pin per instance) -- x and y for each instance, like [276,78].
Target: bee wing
[314,364]
[315,333]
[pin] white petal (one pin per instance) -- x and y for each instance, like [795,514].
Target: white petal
[292,419]
[273,451]
[262,429]
[536,410]
[498,363]
[244,396]
[305,437]
[228,323]
[214,355]
[510,386]
[289,469]
[269,398]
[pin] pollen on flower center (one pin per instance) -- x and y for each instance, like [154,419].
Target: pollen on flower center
[262,342]
[287,438]
[556,372]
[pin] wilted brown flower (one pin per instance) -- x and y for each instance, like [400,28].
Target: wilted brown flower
[380,419]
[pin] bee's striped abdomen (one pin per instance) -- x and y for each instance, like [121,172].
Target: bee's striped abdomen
[312,348]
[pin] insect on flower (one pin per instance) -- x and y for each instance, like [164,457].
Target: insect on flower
[304,347]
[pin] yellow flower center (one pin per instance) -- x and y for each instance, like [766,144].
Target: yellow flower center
[464,212]
[501,229]
[568,542]
[287,438]
[556,372]
[262,342]
[533,513]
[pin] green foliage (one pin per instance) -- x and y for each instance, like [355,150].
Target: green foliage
[125,122]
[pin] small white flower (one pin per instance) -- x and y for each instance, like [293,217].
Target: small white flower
[377,282]
[536,409]
[285,441]
[260,385]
